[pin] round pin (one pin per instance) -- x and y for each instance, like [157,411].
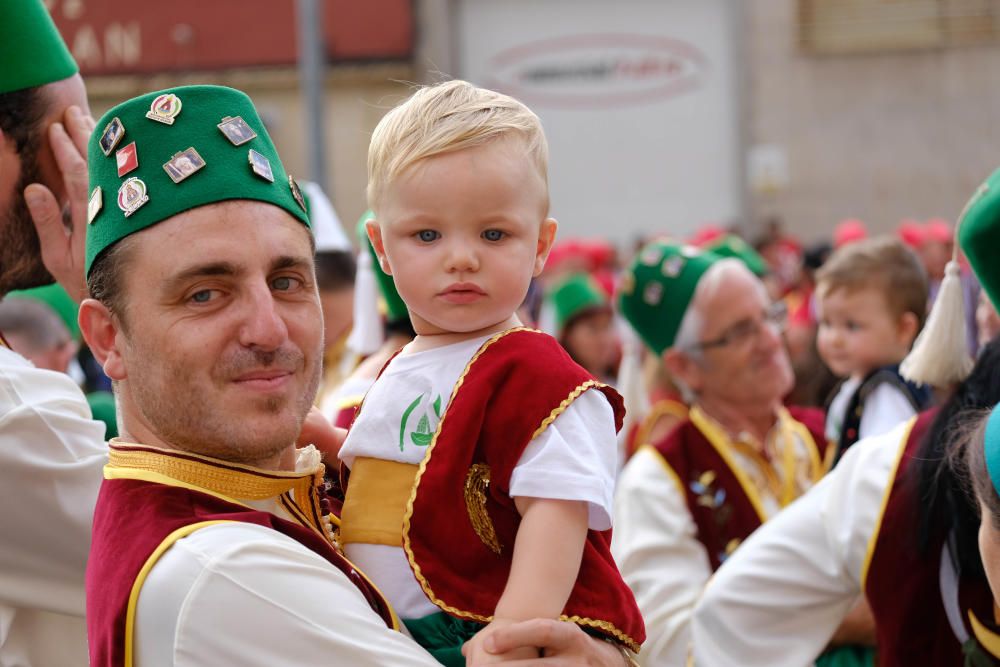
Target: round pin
[164,108]
[132,195]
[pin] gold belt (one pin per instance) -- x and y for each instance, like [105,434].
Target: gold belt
[377,493]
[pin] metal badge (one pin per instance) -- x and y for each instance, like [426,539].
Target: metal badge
[236,130]
[95,204]
[132,195]
[673,266]
[652,294]
[651,255]
[164,108]
[183,164]
[112,134]
[260,165]
[128,159]
[294,187]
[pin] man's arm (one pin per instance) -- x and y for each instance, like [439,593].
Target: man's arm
[658,554]
[778,600]
[51,459]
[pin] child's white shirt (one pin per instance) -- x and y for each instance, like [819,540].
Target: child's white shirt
[885,407]
[573,459]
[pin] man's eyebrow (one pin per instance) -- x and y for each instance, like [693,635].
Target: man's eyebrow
[200,271]
[291,262]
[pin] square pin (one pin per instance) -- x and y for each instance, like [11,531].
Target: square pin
[260,165]
[94,205]
[236,130]
[183,164]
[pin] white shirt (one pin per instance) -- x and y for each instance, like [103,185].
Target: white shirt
[575,458]
[885,407]
[51,459]
[656,547]
[783,594]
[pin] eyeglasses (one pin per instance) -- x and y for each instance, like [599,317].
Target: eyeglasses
[741,333]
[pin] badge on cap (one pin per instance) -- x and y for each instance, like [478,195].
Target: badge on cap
[164,108]
[652,294]
[112,134]
[236,130]
[183,164]
[294,187]
[95,204]
[651,255]
[132,195]
[128,159]
[673,266]
[260,165]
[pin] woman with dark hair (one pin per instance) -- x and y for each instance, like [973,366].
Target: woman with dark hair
[893,522]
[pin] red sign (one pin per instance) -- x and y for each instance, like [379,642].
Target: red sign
[146,37]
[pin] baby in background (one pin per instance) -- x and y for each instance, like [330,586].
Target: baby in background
[871,300]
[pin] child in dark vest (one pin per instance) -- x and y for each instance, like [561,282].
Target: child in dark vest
[871,303]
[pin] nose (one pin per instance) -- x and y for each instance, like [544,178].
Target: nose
[461,256]
[769,336]
[263,326]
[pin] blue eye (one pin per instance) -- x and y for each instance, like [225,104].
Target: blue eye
[428,235]
[204,296]
[282,284]
[493,235]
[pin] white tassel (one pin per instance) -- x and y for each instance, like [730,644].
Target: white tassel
[366,334]
[940,357]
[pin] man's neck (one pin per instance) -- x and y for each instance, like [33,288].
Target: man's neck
[283,461]
[757,420]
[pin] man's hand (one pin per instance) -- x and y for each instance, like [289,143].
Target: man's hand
[476,654]
[63,250]
[564,645]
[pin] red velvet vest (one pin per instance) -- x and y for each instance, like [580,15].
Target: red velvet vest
[134,517]
[460,524]
[720,506]
[903,583]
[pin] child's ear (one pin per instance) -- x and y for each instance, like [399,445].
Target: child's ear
[908,328]
[546,237]
[375,236]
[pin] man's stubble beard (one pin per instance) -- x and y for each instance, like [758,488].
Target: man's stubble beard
[21,264]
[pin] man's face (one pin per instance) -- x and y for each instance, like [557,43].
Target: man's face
[751,369]
[20,258]
[222,332]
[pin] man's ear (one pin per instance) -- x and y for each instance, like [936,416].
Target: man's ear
[100,329]
[375,236]
[681,366]
[546,237]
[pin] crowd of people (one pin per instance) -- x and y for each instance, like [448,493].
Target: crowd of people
[228,437]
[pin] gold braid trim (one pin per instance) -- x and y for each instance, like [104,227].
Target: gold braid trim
[476,484]
[603,626]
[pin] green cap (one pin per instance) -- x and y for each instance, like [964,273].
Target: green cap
[102,407]
[731,245]
[31,49]
[395,308]
[193,146]
[573,295]
[979,235]
[658,287]
[56,298]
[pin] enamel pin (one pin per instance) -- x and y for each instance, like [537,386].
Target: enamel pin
[95,204]
[164,108]
[132,195]
[294,187]
[260,165]
[128,159]
[183,164]
[112,134]
[236,130]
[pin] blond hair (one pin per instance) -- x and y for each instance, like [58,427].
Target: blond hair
[444,118]
[882,263]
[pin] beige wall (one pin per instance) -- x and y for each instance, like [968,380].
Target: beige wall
[356,99]
[880,137]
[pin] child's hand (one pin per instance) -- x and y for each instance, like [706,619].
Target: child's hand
[476,654]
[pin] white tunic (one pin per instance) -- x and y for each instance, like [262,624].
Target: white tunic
[575,458]
[783,594]
[51,459]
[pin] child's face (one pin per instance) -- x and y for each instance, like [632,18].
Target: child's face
[462,234]
[858,332]
[592,341]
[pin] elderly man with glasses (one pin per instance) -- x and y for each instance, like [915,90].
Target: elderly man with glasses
[686,503]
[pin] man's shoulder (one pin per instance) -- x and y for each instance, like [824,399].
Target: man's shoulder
[21,383]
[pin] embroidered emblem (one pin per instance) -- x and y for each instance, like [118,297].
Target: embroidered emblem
[424,432]
[477,483]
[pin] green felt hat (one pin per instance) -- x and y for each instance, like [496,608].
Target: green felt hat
[658,287]
[31,49]
[102,407]
[979,235]
[56,298]
[731,245]
[573,295]
[167,152]
[395,308]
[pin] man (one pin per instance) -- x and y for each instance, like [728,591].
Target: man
[211,544]
[686,503]
[892,522]
[51,452]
